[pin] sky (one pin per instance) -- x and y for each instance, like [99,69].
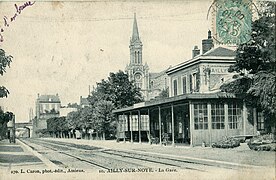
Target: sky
[63,47]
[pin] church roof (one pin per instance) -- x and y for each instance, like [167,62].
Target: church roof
[218,54]
[155,75]
[48,98]
[135,32]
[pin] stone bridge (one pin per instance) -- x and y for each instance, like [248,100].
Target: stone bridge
[24,129]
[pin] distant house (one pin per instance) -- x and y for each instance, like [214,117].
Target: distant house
[47,106]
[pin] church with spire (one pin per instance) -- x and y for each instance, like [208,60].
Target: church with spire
[150,84]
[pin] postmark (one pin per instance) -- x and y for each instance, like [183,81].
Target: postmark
[231,21]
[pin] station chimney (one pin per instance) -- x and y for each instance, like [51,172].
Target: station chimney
[207,44]
[195,51]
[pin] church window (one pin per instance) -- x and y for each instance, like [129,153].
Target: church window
[175,87]
[135,57]
[139,85]
[138,57]
[151,84]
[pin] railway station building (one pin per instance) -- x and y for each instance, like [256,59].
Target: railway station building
[196,111]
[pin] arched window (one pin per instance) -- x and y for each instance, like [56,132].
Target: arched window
[135,56]
[138,57]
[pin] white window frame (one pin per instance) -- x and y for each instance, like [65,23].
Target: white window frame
[177,83]
[182,85]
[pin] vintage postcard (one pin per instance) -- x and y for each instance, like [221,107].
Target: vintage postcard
[147,89]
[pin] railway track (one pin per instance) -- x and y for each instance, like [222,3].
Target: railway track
[53,148]
[106,159]
[94,156]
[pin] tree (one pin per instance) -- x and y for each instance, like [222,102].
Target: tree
[86,120]
[125,93]
[73,105]
[104,118]
[163,94]
[117,89]
[114,93]
[58,126]
[4,63]
[256,65]
[72,119]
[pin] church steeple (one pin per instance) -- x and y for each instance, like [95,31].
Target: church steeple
[136,71]
[135,46]
[135,32]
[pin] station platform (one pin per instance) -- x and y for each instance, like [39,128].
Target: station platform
[240,155]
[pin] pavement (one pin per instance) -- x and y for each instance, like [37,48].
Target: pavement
[14,156]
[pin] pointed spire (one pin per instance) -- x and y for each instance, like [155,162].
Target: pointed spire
[135,33]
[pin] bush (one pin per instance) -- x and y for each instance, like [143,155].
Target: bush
[227,143]
[262,143]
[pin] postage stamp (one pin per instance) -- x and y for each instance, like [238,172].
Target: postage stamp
[231,21]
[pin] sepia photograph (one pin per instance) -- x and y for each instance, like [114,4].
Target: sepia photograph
[147,89]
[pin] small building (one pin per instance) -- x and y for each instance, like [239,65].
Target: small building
[196,111]
[47,106]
